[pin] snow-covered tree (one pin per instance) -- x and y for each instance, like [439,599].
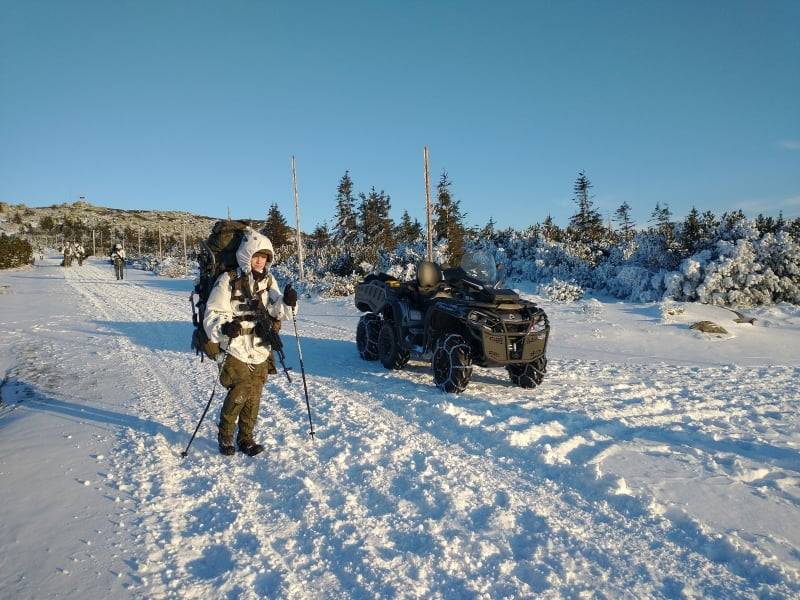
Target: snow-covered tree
[691,233]
[586,225]
[320,236]
[448,220]
[276,228]
[408,231]
[345,228]
[375,224]
[623,217]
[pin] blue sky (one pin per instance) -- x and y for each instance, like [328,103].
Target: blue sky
[198,106]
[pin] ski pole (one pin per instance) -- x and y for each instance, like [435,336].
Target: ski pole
[303,373]
[185,453]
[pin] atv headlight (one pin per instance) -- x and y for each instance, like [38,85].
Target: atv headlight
[538,328]
[480,319]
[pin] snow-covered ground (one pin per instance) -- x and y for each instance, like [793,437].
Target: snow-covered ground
[654,461]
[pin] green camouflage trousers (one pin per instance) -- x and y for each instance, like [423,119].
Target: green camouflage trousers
[245,383]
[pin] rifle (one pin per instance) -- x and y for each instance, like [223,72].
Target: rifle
[265,329]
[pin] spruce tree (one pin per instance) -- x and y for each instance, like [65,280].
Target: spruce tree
[623,217]
[408,231]
[276,228]
[731,219]
[793,228]
[551,231]
[488,231]
[346,225]
[661,218]
[375,224]
[321,236]
[709,224]
[449,220]
[691,233]
[586,225]
[764,224]
[780,222]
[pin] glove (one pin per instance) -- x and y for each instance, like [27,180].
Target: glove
[261,332]
[290,295]
[231,329]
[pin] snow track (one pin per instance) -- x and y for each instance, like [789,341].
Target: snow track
[410,492]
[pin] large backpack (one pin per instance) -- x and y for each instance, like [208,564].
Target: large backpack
[217,256]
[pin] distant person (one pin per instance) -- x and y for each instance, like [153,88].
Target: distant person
[118,258]
[68,254]
[229,321]
[80,253]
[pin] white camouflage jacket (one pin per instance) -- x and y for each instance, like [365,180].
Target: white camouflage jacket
[226,302]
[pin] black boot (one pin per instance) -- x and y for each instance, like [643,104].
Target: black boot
[250,448]
[225,445]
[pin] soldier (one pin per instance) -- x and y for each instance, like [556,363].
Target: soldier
[80,252]
[118,258]
[229,321]
[68,253]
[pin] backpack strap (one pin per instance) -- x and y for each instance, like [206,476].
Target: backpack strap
[240,288]
[235,282]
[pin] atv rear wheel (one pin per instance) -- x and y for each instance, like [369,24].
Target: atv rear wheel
[452,364]
[392,355]
[369,326]
[528,375]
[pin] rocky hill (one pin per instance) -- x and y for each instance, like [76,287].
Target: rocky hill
[51,225]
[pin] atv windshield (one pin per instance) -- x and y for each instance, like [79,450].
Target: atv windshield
[480,265]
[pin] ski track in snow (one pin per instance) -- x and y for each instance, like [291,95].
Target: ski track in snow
[410,492]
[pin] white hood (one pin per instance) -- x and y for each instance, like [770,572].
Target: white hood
[251,243]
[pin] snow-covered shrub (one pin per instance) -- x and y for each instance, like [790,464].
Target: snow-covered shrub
[328,285]
[562,291]
[331,285]
[402,261]
[741,273]
[552,261]
[652,252]
[632,282]
[175,267]
[592,308]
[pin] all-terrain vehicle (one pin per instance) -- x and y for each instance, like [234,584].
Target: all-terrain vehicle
[454,319]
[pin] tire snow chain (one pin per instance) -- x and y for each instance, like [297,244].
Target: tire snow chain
[450,356]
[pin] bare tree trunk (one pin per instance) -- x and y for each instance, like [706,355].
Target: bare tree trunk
[185,254]
[297,222]
[428,204]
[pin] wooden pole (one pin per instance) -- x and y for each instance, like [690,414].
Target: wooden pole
[140,240]
[297,221]
[160,256]
[94,247]
[428,203]
[185,254]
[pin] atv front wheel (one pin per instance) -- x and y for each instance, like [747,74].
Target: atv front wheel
[369,326]
[392,355]
[528,375]
[452,364]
